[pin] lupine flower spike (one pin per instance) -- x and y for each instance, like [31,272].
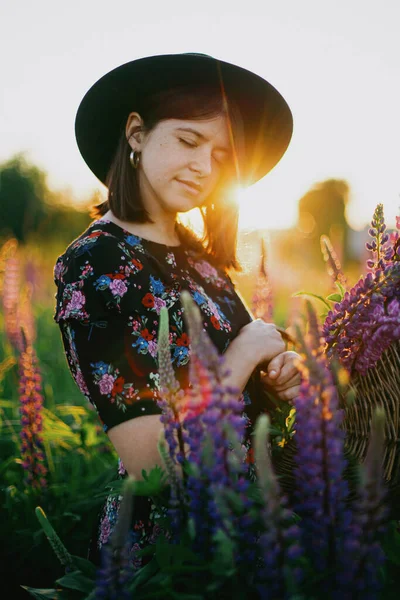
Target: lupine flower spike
[31,399]
[332,261]
[320,492]
[10,293]
[279,542]
[262,304]
[214,431]
[362,332]
[367,321]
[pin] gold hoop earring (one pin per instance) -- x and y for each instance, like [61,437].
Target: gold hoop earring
[134,159]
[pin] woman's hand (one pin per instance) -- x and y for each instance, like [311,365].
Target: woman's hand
[256,343]
[282,375]
[261,341]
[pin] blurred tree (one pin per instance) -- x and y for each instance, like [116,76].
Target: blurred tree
[23,192]
[30,210]
[322,210]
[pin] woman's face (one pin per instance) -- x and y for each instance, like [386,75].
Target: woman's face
[177,151]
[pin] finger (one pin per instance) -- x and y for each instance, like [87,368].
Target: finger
[288,373]
[294,381]
[275,365]
[290,394]
[288,369]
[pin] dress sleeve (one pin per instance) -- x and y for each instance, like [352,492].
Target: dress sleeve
[109,335]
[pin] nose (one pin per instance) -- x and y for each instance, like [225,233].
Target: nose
[202,163]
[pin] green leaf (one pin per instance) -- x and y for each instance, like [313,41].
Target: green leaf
[145,573]
[84,566]
[43,594]
[312,296]
[76,581]
[341,288]
[391,543]
[58,547]
[153,482]
[334,298]
[223,563]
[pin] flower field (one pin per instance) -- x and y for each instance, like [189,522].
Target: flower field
[320,519]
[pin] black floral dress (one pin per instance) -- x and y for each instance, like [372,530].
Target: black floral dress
[111,286]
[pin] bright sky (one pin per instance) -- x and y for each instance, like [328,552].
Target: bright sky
[335,62]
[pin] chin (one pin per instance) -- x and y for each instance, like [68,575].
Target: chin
[183,205]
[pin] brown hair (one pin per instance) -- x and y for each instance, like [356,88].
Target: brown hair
[220,214]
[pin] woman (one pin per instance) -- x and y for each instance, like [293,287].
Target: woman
[166,134]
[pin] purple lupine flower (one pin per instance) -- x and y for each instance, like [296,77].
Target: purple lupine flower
[262,296]
[366,322]
[321,492]
[280,539]
[31,404]
[382,245]
[214,428]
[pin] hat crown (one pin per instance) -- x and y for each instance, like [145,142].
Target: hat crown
[197,54]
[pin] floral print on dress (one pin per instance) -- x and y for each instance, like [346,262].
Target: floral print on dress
[209,273]
[113,385]
[73,300]
[178,340]
[74,362]
[209,307]
[160,295]
[170,259]
[84,244]
[146,340]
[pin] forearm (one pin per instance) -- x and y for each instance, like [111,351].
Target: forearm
[240,364]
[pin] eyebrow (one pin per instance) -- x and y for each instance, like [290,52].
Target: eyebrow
[201,136]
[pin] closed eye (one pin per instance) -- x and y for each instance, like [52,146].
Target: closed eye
[191,145]
[187,143]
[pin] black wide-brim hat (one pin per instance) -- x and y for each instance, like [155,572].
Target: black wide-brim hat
[104,110]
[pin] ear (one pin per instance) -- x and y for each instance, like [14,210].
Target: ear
[134,135]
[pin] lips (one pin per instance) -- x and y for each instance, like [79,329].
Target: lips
[191,186]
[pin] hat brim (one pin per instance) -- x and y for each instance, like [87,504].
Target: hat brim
[103,111]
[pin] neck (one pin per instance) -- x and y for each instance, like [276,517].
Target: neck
[162,231]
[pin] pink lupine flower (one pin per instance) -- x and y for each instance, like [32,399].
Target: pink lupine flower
[31,399]
[106,384]
[118,287]
[11,291]
[262,303]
